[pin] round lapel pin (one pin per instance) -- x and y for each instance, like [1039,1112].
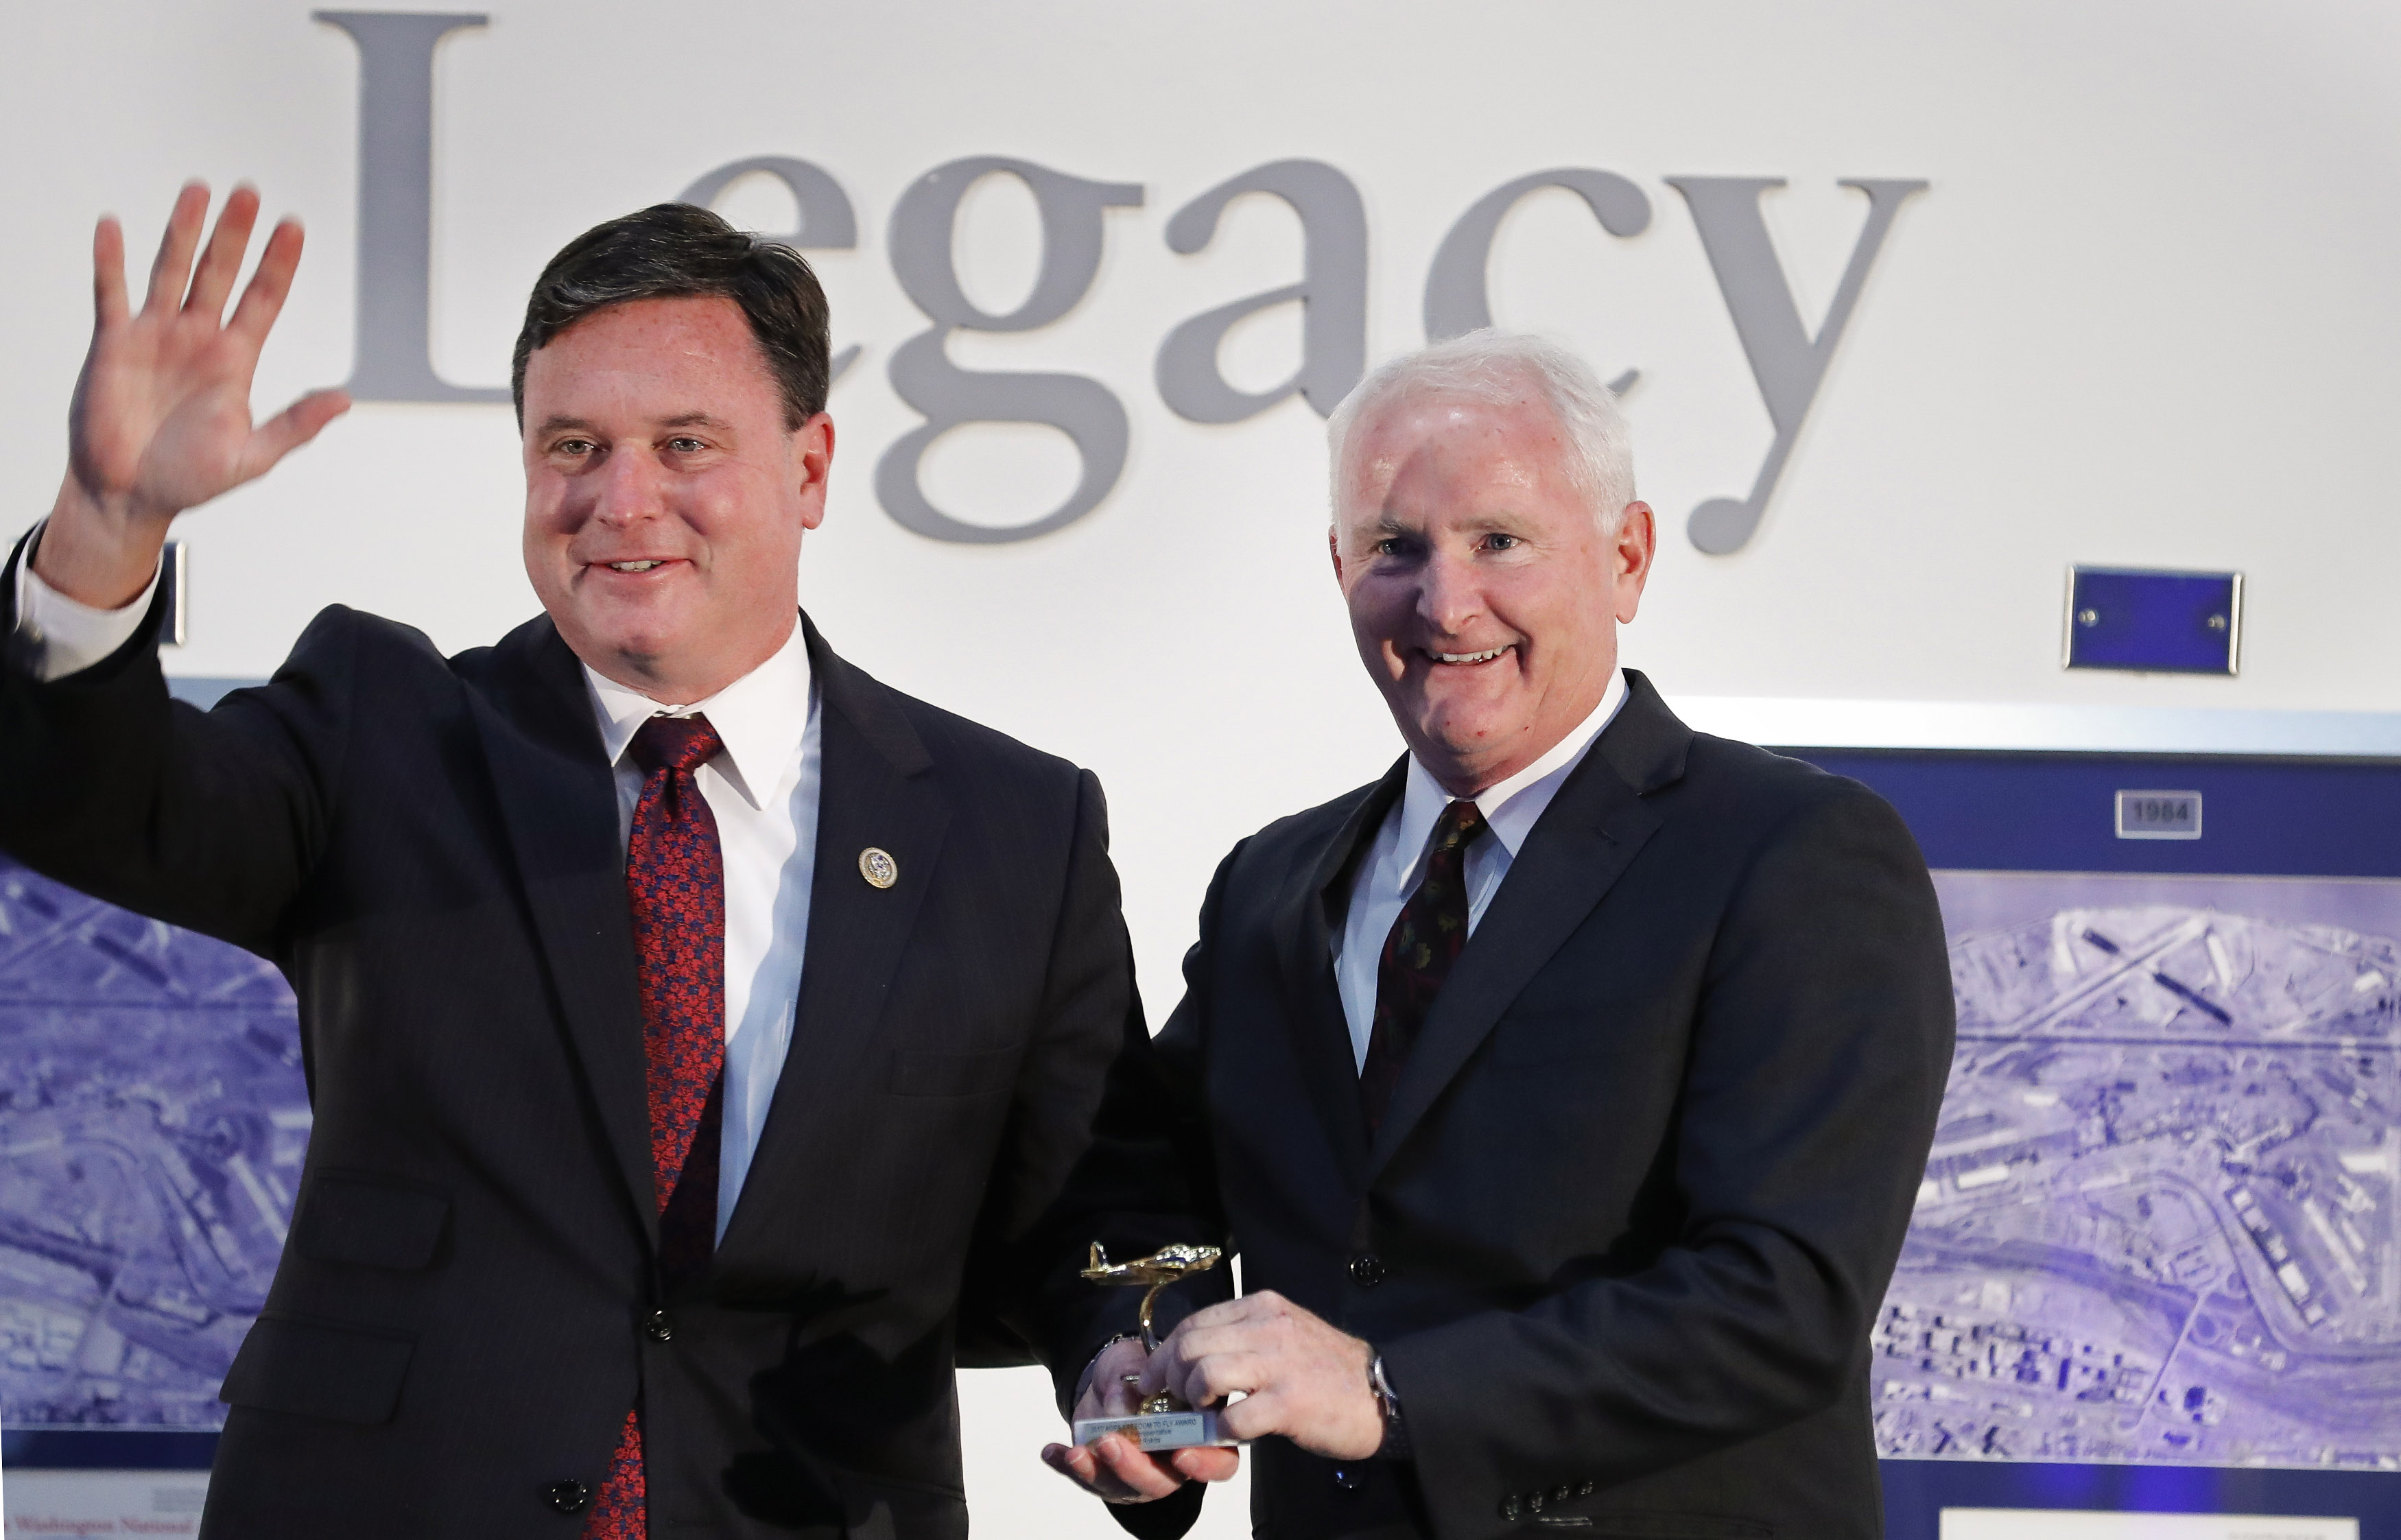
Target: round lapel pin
[878,867]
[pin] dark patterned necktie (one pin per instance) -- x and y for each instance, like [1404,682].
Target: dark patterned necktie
[675,884]
[1424,941]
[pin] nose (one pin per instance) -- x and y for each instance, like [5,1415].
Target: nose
[1449,596]
[624,488]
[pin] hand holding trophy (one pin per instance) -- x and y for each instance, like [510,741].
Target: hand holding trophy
[1162,1422]
[1161,1444]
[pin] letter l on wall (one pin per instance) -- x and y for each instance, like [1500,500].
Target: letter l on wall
[394,360]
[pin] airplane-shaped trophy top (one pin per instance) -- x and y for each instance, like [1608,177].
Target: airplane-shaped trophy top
[1165,1266]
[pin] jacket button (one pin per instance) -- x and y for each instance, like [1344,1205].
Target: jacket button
[1584,1488]
[1535,1502]
[1509,1509]
[1561,1493]
[659,1329]
[567,1496]
[1347,1478]
[1366,1270]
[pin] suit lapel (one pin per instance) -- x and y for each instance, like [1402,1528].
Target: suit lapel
[1306,916]
[559,804]
[1574,855]
[874,789]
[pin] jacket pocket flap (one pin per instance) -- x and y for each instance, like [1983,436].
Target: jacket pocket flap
[319,1369]
[369,1221]
[915,1073]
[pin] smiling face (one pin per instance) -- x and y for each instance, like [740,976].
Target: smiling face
[665,496]
[1484,595]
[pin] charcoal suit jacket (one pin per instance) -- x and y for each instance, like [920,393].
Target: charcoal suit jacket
[1622,1231]
[469,1302]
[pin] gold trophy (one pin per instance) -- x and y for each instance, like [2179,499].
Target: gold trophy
[1163,1422]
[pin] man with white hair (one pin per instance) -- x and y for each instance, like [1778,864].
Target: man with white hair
[1567,1090]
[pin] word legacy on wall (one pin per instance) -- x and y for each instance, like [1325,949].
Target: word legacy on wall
[1787,358]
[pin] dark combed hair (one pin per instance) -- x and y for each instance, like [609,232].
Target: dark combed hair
[675,251]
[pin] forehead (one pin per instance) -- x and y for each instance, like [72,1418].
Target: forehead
[697,348]
[1455,451]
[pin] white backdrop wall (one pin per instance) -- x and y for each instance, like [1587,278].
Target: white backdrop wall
[2142,314]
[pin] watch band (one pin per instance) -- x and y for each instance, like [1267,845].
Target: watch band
[1396,1432]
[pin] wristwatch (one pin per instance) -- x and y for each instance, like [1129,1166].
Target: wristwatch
[1396,1432]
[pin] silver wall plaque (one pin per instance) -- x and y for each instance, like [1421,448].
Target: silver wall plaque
[2159,815]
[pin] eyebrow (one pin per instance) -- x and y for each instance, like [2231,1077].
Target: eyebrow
[1504,519]
[560,423]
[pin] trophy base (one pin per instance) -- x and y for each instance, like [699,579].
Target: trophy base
[1158,1430]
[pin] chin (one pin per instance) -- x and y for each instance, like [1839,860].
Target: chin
[1462,737]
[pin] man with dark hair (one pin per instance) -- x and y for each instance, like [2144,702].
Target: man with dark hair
[708,1045]
[675,251]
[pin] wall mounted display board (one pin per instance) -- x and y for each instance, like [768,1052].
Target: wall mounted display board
[153,1116]
[2156,1262]
[2155,1269]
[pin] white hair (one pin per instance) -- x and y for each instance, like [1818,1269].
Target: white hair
[1499,368]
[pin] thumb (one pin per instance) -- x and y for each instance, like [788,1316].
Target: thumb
[289,429]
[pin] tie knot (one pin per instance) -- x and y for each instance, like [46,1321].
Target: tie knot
[673,743]
[1462,820]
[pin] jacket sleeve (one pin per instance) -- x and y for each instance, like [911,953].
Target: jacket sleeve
[1088,1158]
[210,820]
[1820,1044]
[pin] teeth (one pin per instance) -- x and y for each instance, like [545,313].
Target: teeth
[632,565]
[1469,657]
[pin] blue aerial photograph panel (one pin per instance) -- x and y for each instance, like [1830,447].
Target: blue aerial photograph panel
[2159,1224]
[153,1116]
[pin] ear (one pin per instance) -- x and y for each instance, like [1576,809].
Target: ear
[1636,546]
[1334,549]
[810,448]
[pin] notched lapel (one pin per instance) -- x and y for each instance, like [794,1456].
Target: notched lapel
[1306,914]
[1576,852]
[559,804]
[874,790]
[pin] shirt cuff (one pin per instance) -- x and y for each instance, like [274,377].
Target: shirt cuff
[66,636]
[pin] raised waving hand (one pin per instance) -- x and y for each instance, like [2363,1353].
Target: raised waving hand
[162,415]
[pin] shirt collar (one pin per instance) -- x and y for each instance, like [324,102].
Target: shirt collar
[761,718]
[1511,807]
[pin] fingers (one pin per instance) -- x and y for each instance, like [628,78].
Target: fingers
[1250,1307]
[222,259]
[1116,1468]
[1208,1382]
[1207,1465]
[289,429]
[263,301]
[1136,1472]
[1256,1416]
[173,263]
[1075,1461]
[108,273]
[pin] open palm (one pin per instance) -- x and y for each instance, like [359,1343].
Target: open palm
[162,416]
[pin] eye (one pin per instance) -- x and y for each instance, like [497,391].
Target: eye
[573,446]
[1392,545]
[1502,543]
[686,445]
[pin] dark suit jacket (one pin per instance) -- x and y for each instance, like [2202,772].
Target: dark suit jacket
[1633,1208]
[469,1304]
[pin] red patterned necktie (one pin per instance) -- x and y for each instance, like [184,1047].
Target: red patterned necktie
[675,882]
[1425,940]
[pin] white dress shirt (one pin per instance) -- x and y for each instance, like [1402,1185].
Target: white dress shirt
[1395,860]
[763,787]
[73,636]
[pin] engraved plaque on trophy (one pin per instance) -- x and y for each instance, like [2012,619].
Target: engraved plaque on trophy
[1163,1422]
